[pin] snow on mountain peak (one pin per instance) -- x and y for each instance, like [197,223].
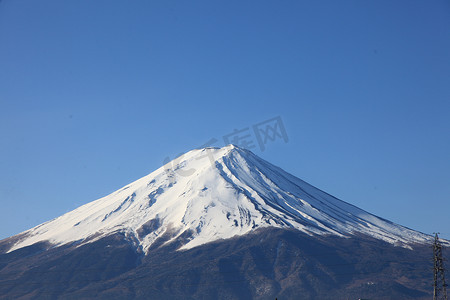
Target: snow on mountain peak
[209,194]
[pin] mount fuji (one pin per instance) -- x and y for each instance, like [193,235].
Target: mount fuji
[212,194]
[230,202]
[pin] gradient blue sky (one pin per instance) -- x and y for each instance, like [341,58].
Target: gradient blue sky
[96,94]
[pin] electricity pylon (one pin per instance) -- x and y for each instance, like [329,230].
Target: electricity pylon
[439,286]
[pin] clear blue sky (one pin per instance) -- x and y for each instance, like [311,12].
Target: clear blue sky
[96,94]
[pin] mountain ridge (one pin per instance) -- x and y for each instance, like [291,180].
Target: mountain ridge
[211,194]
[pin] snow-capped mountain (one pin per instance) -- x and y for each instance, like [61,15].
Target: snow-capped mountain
[211,194]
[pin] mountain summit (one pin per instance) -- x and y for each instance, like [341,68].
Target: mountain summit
[212,194]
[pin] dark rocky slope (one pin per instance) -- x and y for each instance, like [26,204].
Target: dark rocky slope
[268,263]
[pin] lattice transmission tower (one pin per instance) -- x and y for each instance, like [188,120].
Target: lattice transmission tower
[439,286]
